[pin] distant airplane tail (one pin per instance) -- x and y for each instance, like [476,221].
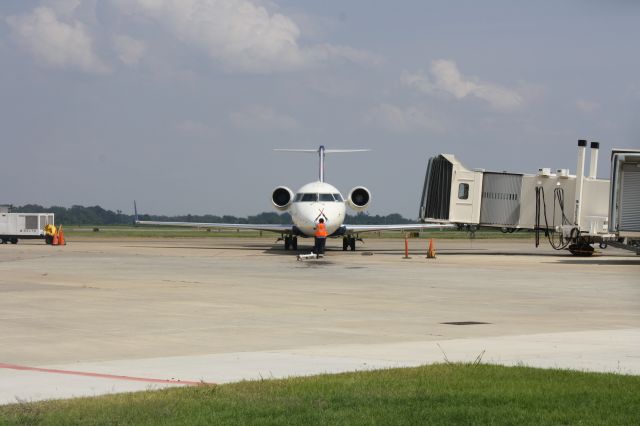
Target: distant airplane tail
[321,151]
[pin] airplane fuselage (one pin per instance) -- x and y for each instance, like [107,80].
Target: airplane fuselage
[317,200]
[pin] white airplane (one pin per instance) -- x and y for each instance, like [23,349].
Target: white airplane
[313,201]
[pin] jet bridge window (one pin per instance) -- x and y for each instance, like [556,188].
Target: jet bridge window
[463,191]
[309,198]
[326,197]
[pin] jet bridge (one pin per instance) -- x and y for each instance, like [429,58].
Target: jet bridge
[624,202]
[571,210]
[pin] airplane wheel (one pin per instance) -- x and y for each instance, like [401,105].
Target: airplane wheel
[294,243]
[287,243]
[352,244]
[345,244]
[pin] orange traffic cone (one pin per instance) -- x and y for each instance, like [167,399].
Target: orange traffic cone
[61,240]
[431,253]
[56,240]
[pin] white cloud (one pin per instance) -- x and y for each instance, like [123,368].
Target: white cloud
[327,52]
[587,106]
[235,35]
[261,118]
[129,49]
[446,78]
[55,43]
[63,8]
[400,120]
[420,82]
[239,34]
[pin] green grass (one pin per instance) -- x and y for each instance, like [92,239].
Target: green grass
[181,232]
[437,394]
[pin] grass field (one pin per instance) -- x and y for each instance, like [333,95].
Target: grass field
[181,232]
[437,394]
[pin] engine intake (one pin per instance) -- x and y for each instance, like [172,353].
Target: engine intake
[359,198]
[282,197]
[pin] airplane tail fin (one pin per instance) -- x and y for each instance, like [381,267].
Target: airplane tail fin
[321,151]
[135,213]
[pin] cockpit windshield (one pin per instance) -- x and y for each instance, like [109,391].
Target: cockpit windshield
[312,198]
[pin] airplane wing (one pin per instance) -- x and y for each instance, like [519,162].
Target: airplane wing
[283,229]
[352,229]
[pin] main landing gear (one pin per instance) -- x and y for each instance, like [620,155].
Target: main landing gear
[348,242]
[290,243]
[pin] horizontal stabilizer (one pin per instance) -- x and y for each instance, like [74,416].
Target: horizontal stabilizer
[332,151]
[326,151]
[314,151]
[321,151]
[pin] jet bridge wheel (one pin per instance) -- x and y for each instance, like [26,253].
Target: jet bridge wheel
[583,250]
[287,243]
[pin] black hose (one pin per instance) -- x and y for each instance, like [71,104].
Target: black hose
[541,201]
[537,221]
[559,197]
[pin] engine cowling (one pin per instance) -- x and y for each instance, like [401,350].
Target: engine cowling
[282,197]
[359,198]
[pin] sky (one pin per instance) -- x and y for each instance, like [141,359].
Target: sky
[179,104]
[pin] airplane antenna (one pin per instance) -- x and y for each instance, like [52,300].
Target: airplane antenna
[321,151]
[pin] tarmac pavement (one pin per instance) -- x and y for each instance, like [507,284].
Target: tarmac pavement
[106,315]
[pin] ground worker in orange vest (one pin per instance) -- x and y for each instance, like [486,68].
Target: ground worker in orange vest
[321,237]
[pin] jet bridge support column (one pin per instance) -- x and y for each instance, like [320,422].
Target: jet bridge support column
[593,164]
[582,146]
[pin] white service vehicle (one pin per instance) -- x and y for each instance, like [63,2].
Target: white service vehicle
[21,226]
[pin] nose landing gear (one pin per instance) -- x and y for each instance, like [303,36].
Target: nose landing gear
[290,243]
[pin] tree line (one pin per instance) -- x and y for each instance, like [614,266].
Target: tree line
[96,215]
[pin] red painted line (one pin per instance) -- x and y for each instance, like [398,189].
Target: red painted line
[101,376]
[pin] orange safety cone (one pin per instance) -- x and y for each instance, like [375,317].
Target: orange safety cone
[406,248]
[61,240]
[431,253]
[56,240]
